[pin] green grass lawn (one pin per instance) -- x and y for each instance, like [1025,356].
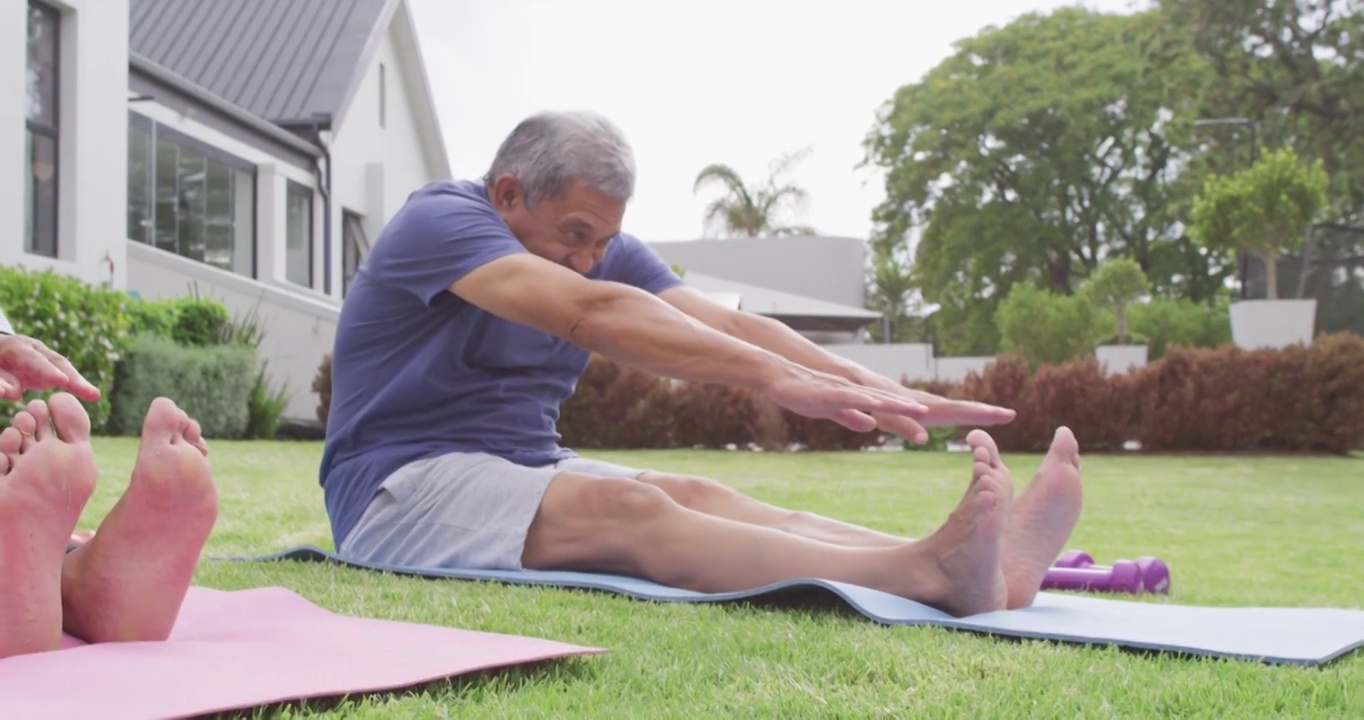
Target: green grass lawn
[1236,532]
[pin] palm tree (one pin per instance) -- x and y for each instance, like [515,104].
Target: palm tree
[753,211]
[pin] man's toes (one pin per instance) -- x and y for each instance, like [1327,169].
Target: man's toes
[12,440]
[1065,446]
[69,419]
[42,420]
[981,440]
[164,422]
[195,435]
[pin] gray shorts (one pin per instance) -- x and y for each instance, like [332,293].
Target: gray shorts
[467,511]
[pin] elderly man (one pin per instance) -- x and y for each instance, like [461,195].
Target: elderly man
[472,320]
[126,582]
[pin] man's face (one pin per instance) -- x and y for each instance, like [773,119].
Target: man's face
[572,230]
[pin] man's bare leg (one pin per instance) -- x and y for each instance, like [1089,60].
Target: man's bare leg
[627,527]
[713,498]
[128,581]
[46,477]
[1042,519]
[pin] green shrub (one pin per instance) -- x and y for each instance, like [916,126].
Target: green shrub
[265,406]
[151,317]
[1045,327]
[210,383]
[322,385]
[200,322]
[86,324]
[1167,322]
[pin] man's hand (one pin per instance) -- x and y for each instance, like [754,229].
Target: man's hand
[28,364]
[938,411]
[828,397]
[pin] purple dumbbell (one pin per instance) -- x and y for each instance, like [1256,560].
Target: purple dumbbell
[1074,559]
[1075,570]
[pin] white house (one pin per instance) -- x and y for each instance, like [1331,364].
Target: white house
[248,150]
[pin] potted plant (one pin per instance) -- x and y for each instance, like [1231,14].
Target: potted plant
[1115,286]
[1264,211]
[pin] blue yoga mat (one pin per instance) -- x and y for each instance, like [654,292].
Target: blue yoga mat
[1283,636]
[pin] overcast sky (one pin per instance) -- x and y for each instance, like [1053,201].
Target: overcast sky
[732,81]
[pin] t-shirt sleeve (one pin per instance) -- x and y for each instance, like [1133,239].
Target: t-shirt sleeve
[641,267]
[437,240]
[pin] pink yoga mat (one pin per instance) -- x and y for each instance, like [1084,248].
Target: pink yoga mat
[244,649]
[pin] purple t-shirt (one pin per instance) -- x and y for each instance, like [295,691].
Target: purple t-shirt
[419,372]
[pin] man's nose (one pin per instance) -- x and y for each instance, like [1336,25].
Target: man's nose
[581,262]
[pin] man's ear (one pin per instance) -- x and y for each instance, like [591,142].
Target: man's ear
[506,193]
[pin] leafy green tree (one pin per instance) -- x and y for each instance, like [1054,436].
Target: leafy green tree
[1264,210]
[750,211]
[1115,286]
[1035,150]
[1290,66]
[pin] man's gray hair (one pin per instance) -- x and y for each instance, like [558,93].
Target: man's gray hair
[548,151]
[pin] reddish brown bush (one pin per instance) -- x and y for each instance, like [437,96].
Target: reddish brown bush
[714,416]
[615,406]
[826,434]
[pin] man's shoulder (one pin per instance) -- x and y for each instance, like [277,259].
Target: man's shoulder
[447,199]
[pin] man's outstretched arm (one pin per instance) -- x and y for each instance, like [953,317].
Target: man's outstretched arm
[636,328]
[778,338]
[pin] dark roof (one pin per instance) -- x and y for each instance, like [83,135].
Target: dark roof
[285,61]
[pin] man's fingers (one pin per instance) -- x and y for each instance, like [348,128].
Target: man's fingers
[76,382]
[855,420]
[10,389]
[903,426]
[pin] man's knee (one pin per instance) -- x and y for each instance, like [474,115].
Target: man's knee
[592,520]
[688,490]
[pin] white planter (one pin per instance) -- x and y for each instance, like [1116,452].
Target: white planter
[1260,324]
[1121,359]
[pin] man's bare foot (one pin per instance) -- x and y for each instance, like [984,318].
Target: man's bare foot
[1042,519]
[128,581]
[47,473]
[967,548]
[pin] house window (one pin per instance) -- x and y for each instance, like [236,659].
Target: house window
[41,124]
[298,254]
[190,198]
[354,245]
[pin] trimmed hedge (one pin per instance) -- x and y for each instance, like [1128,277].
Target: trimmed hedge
[209,383]
[1300,399]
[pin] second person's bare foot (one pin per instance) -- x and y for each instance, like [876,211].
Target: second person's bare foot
[128,581]
[1042,519]
[967,548]
[47,473]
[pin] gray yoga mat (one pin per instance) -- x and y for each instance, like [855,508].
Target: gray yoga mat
[1284,636]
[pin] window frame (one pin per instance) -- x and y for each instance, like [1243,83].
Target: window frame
[50,132]
[292,190]
[156,132]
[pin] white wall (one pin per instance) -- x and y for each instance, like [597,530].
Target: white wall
[910,361]
[299,327]
[955,369]
[92,142]
[376,167]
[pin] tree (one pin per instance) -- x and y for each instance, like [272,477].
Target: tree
[1263,211]
[752,211]
[1115,286]
[1035,150]
[1291,66]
